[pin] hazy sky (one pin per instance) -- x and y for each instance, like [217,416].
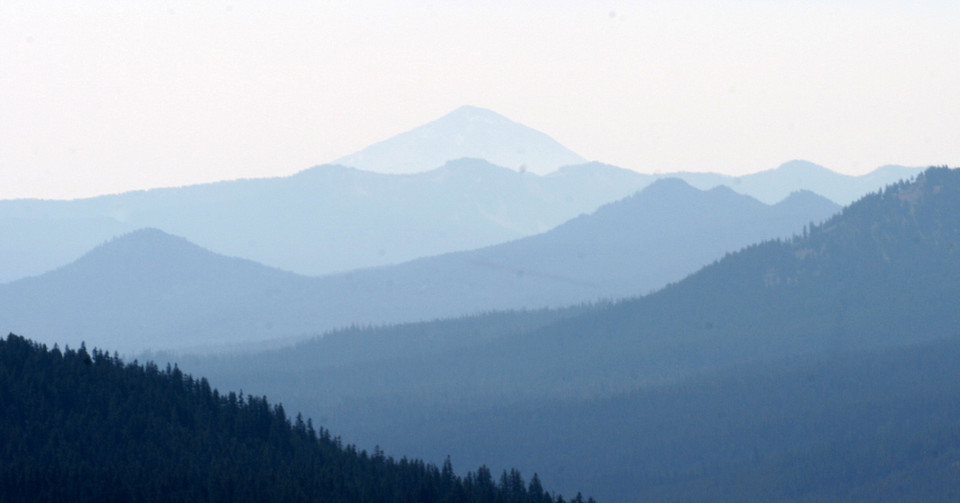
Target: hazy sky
[100,96]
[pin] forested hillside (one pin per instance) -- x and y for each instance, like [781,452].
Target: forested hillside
[85,426]
[884,273]
[861,426]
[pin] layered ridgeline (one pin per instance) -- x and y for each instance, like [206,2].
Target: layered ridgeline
[323,220]
[883,273]
[331,219]
[79,426]
[151,290]
[773,185]
[462,188]
[484,134]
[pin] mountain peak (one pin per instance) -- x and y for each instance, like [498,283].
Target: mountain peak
[669,187]
[799,166]
[476,113]
[148,248]
[805,197]
[468,131]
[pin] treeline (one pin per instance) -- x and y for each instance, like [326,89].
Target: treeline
[86,426]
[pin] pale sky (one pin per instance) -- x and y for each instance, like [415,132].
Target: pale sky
[105,96]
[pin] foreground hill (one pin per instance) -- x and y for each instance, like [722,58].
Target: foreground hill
[884,273]
[79,426]
[150,290]
[861,426]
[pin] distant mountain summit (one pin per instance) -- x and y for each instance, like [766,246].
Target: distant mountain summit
[147,289]
[466,132]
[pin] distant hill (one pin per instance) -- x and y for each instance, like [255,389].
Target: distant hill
[466,132]
[331,219]
[39,236]
[773,185]
[151,290]
[882,274]
[148,289]
[627,248]
[84,426]
[323,220]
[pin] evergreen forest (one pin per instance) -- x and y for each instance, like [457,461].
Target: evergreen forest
[79,425]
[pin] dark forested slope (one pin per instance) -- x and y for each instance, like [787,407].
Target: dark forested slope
[79,426]
[860,426]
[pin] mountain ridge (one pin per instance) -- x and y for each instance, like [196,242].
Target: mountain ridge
[323,220]
[153,289]
[80,425]
[774,185]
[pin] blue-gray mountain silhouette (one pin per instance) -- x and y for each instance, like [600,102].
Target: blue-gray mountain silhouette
[773,185]
[323,220]
[149,289]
